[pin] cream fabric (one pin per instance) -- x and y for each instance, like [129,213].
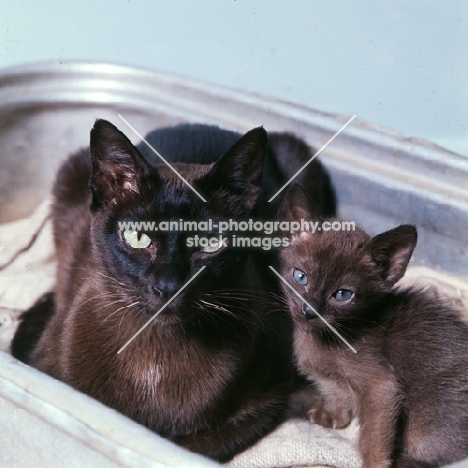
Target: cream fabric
[27,267]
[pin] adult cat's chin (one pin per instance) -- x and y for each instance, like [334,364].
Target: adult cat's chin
[167,314]
[167,319]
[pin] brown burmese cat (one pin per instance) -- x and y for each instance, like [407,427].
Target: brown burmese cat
[408,381]
[210,372]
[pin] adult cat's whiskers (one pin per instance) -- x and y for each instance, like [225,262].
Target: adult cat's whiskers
[208,314]
[217,307]
[204,306]
[127,309]
[98,296]
[226,313]
[279,302]
[91,270]
[119,309]
[225,300]
[240,294]
[112,279]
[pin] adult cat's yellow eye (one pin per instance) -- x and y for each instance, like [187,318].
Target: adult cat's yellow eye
[300,277]
[211,245]
[136,240]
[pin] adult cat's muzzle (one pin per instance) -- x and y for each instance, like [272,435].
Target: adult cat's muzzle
[167,286]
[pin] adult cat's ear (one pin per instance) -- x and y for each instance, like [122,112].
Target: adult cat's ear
[119,169]
[235,180]
[297,205]
[392,251]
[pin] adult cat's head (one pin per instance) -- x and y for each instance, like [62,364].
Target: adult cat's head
[341,274]
[152,265]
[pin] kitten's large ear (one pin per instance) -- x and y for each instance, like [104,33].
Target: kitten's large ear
[119,169]
[236,179]
[392,251]
[297,205]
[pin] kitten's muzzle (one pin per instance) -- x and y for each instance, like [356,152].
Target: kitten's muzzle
[308,313]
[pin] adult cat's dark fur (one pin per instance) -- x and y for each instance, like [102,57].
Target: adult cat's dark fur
[208,373]
[408,381]
[286,155]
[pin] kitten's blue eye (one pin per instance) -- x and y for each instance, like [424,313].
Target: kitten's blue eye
[300,277]
[343,295]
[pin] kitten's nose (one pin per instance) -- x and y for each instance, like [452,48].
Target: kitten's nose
[308,312]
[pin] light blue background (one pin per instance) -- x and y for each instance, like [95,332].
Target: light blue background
[402,64]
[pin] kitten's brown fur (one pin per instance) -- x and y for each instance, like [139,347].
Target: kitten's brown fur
[408,381]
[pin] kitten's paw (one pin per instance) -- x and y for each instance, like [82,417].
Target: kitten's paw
[334,418]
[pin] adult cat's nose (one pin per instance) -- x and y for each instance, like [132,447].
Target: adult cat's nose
[167,285]
[308,312]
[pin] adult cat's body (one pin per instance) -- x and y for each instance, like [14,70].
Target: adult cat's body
[207,373]
[408,381]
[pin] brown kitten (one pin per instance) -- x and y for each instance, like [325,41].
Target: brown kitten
[408,381]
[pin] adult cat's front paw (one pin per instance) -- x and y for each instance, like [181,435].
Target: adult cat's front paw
[328,414]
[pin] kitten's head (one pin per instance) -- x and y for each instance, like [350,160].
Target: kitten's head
[341,274]
[151,266]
